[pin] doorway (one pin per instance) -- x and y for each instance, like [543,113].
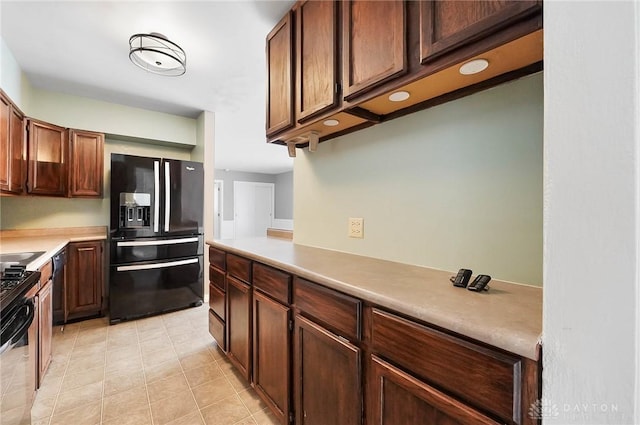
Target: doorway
[253,207]
[217,208]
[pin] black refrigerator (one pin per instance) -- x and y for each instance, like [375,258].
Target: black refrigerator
[156,236]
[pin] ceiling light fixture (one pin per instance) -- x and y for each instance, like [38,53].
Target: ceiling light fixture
[474,66]
[399,96]
[154,52]
[331,122]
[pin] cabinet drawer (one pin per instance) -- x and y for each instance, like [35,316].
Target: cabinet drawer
[217,258]
[216,277]
[239,267]
[338,312]
[272,282]
[216,301]
[216,329]
[471,372]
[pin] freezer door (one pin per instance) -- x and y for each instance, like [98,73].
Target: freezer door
[183,183]
[136,196]
[125,251]
[149,288]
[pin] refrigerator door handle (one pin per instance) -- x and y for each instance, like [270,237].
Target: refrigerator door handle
[156,242]
[156,193]
[156,265]
[167,196]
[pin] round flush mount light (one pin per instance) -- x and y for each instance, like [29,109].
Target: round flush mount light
[399,96]
[474,66]
[331,123]
[155,53]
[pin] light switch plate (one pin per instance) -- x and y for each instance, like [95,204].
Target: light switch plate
[356,227]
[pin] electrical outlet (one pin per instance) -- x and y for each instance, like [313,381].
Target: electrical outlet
[356,227]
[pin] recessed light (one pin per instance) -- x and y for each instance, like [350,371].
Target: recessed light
[331,123]
[474,66]
[399,96]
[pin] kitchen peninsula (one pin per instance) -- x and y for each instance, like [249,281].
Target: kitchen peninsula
[392,333]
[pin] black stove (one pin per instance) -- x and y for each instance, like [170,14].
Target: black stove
[15,280]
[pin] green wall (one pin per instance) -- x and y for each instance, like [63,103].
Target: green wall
[26,212]
[458,185]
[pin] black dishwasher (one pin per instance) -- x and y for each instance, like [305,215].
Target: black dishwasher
[59,300]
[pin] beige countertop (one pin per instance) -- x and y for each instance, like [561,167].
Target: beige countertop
[508,316]
[48,240]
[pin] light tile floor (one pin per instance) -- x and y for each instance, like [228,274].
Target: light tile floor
[160,370]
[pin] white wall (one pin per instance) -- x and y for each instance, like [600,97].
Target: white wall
[12,80]
[590,312]
[457,185]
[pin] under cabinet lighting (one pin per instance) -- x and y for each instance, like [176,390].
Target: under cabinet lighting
[399,96]
[474,66]
[331,123]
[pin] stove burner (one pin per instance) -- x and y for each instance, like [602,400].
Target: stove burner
[13,272]
[14,282]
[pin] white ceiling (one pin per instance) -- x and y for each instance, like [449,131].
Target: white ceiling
[81,48]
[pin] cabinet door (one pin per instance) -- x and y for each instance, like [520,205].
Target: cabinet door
[317,57]
[280,62]
[84,279]
[47,171]
[271,345]
[12,147]
[447,25]
[397,398]
[18,142]
[45,301]
[5,143]
[327,377]
[374,44]
[86,159]
[239,325]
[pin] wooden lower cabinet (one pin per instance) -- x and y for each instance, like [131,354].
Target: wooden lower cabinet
[397,398]
[239,325]
[327,377]
[271,353]
[45,327]
[217,330]
[344,361]
[85,279]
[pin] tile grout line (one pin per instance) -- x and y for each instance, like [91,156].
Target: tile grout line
[185,378]
[66,367]
[144,376]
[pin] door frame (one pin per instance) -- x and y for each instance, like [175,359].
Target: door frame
[219,197]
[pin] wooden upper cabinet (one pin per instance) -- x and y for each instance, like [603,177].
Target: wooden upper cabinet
[48,167]
[280,108]
[5,145]
[13,148]
[447,25]
[373,44]
[86,168]
[317,55]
